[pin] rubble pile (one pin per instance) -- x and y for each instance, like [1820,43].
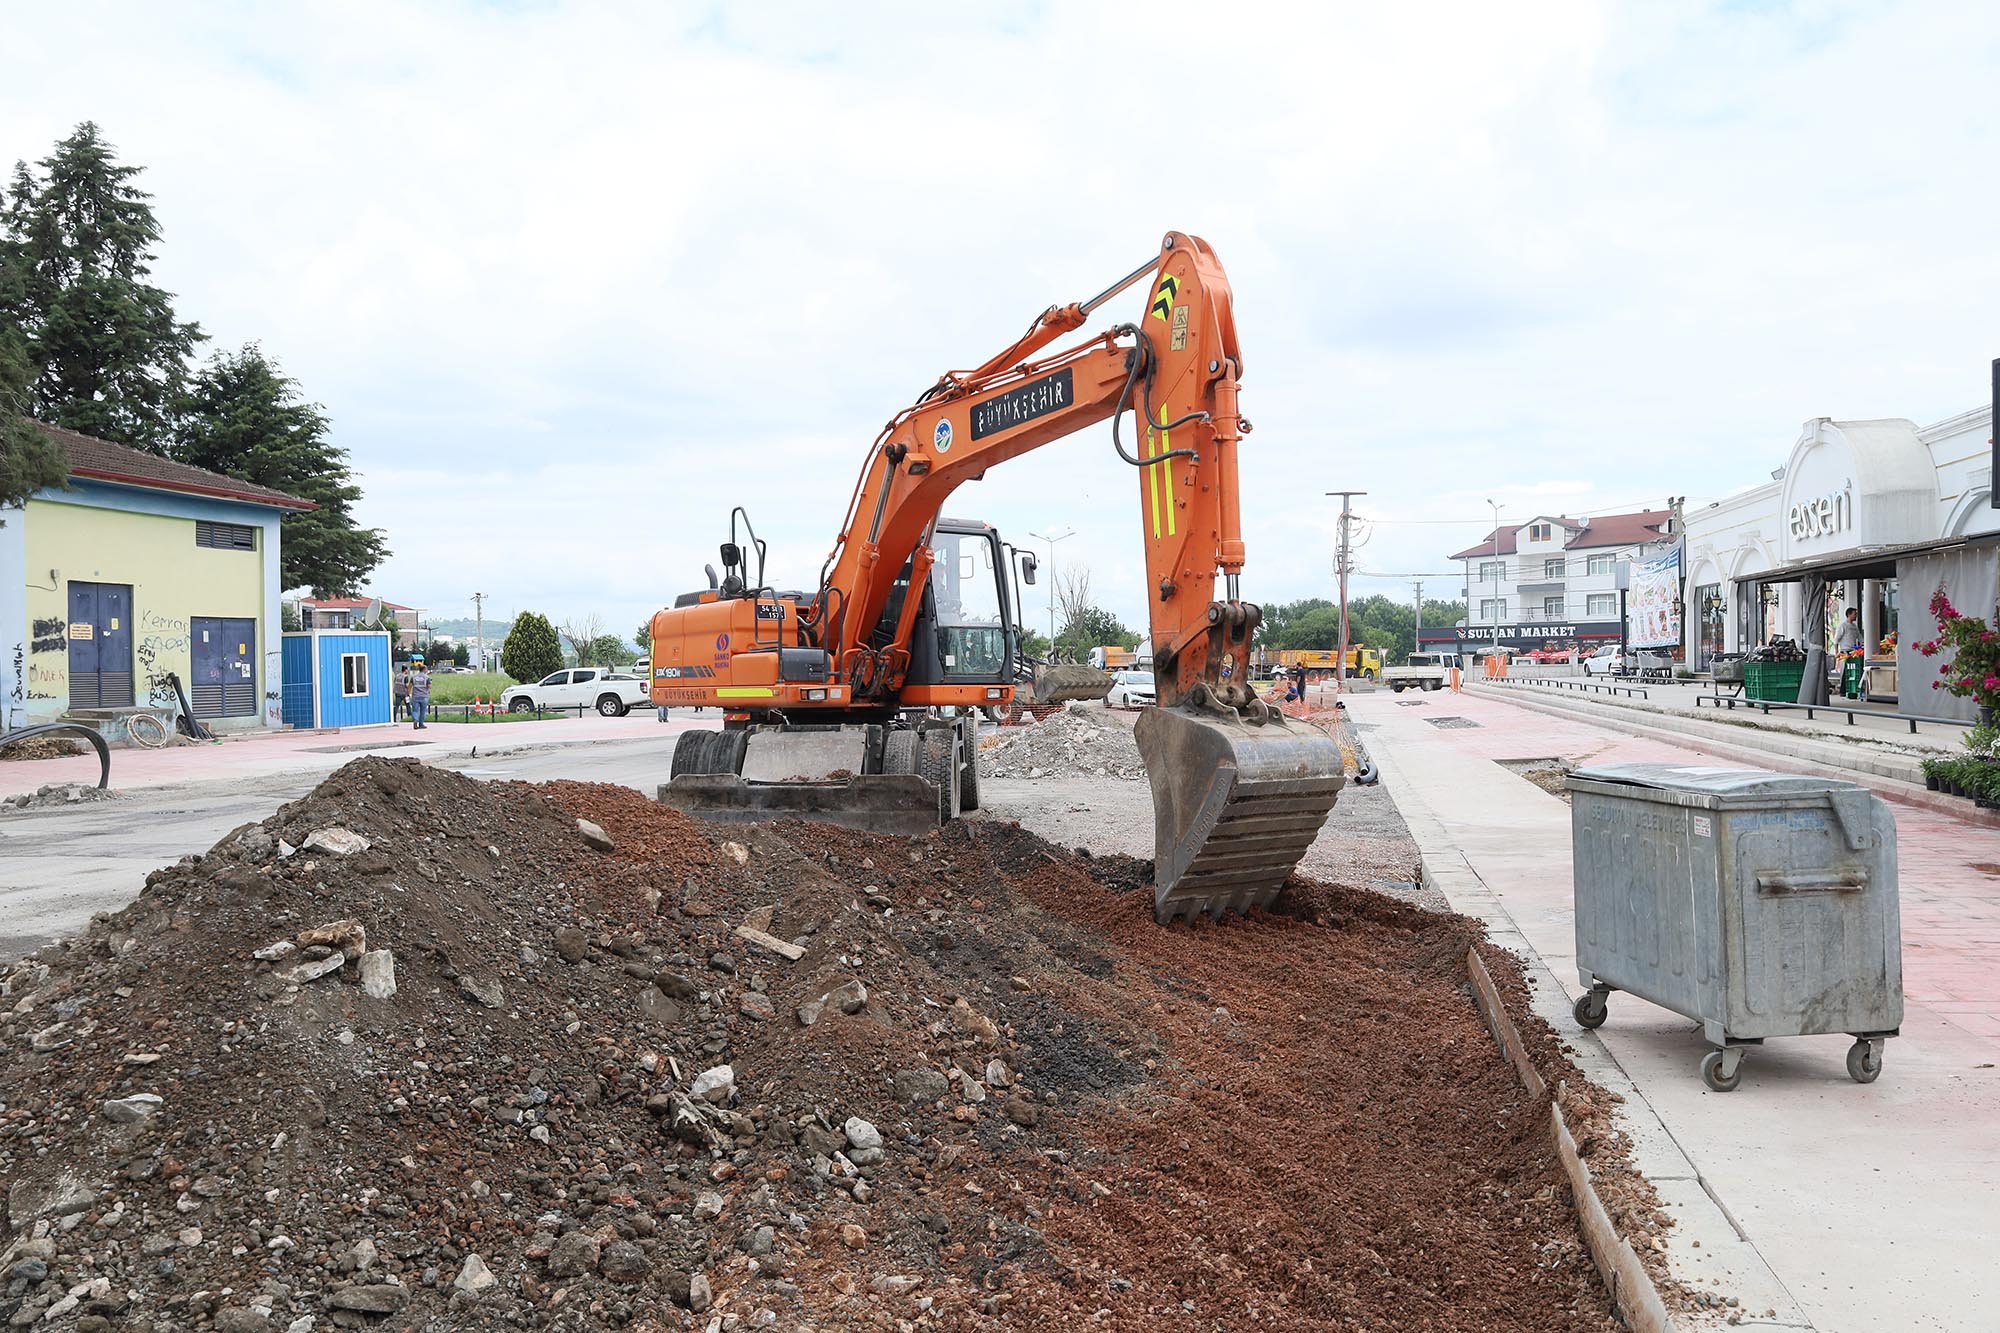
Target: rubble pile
[56,794]
[1079,740]
[418,1052]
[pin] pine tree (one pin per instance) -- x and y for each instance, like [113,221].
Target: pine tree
[76,247]
[532,649]
[29,459]
[245,417]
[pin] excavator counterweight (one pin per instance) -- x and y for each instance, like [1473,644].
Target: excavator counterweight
[855,700]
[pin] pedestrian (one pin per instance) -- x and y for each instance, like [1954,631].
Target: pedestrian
[402,707]
[1849,636]
[1302,685]
[420,694]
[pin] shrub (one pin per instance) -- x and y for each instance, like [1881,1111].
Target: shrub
[1971,669]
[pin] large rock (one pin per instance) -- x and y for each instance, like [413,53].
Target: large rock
[378,974]
[376,1298]
[714,1085]
[242,1319]
[348,936]
[573,1255]
[474,1277]
[623,1261]
[921,1084]
[335,841]
[594,836]
[850,997]
[572,945]
[131,1110]
[484,990]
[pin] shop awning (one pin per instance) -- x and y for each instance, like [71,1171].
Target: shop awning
[1878,562]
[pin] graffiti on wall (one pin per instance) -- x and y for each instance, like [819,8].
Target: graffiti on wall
[17,689]
[158,636]
[50,635]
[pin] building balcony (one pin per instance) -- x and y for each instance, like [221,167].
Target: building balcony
[1543,588]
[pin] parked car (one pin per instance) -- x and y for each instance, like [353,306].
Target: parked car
[1130,689]
[611,693]
[1610,660]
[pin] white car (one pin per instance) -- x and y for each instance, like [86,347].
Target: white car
[1130,689]
[611,693]
[1610,660]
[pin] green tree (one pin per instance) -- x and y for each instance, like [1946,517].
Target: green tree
[245,417]
[532,649]
[461,656]
[289,619]
[604,650]
[76,246]
[1093,627]
[1034,644]
[644,638]
[30,459]
[440,653]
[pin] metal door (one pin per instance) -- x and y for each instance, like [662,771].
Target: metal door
[100,645]
[224,663]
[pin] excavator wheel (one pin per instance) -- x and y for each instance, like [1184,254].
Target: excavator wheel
[1237,799]
[899,752]
[937,764]
[968,767]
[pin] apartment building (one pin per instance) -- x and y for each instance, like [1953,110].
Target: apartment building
[1549,579]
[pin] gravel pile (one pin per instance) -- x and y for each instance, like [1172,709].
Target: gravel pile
[419,1052]
[1078,740]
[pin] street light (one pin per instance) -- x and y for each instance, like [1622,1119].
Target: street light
[1051,541]
[1499,604]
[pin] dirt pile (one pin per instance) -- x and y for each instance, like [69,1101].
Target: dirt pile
[42,747]
[421,1053]
[1077,740]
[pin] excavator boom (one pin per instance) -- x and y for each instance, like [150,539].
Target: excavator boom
[895,623]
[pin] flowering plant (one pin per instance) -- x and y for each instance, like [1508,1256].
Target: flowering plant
[1888,645]
[1972,666]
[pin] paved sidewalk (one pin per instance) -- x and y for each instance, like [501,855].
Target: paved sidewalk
[1858,1208]
[267,753]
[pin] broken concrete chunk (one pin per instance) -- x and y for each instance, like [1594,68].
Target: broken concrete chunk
[770,942]
[973,1023]
[335,841]
[737,852]
[378,1298]
[312,969]
[714,1085]
[474,1277]
[271,953]
[594,836]
[131,1110]
[378,974]
[485,990]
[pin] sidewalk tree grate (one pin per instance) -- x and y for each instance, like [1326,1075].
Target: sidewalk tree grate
[1450,722]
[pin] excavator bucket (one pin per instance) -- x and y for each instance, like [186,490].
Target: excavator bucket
[1062,682]
[1235,805]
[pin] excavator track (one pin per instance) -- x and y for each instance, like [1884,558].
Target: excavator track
[1237,800]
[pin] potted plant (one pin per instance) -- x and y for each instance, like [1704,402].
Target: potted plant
[1933,771]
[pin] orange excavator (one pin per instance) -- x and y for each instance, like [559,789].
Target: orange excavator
[855,700]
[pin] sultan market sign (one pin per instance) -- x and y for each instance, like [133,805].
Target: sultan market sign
[1823,516]
[1466,632]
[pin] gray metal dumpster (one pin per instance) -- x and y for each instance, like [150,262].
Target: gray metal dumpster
[1761,904]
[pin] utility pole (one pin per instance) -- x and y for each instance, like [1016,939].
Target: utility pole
[1346,520]
[1418,584]
[1060,536]
[479,630]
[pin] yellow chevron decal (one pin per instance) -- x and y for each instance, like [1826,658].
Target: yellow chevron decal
[1163,300]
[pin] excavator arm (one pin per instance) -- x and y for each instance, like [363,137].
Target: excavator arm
[1178,370]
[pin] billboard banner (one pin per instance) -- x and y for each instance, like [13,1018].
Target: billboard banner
[1652,607]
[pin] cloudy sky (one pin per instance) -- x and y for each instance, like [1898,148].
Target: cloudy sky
[574,278]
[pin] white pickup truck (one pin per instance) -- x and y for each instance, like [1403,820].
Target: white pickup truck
[1423,671]
[611,693]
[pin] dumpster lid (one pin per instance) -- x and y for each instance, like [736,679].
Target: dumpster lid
[1713,780]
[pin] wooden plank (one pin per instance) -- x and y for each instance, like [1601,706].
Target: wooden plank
[771,942]
[1497,1018]
[1632,1289]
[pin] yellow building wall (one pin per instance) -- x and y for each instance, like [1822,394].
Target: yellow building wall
[172,581]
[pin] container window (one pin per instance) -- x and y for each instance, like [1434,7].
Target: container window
[353,675]
[225,536]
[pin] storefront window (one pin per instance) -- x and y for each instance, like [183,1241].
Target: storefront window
[1709,611]
[1886,608]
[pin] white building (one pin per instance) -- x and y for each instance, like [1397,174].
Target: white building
[1877,513]
[1550,580]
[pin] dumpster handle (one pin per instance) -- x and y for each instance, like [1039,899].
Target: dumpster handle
[1852,879]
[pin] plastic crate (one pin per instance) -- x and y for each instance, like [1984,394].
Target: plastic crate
[1775,681]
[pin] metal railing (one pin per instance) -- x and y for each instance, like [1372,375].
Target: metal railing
[1849,710]
[1569,683]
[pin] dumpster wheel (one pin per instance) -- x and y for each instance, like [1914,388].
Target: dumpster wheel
[1864,1060]
[1723,1070]
[1591,1009]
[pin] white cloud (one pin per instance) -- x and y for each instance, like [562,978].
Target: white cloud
[573,279]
